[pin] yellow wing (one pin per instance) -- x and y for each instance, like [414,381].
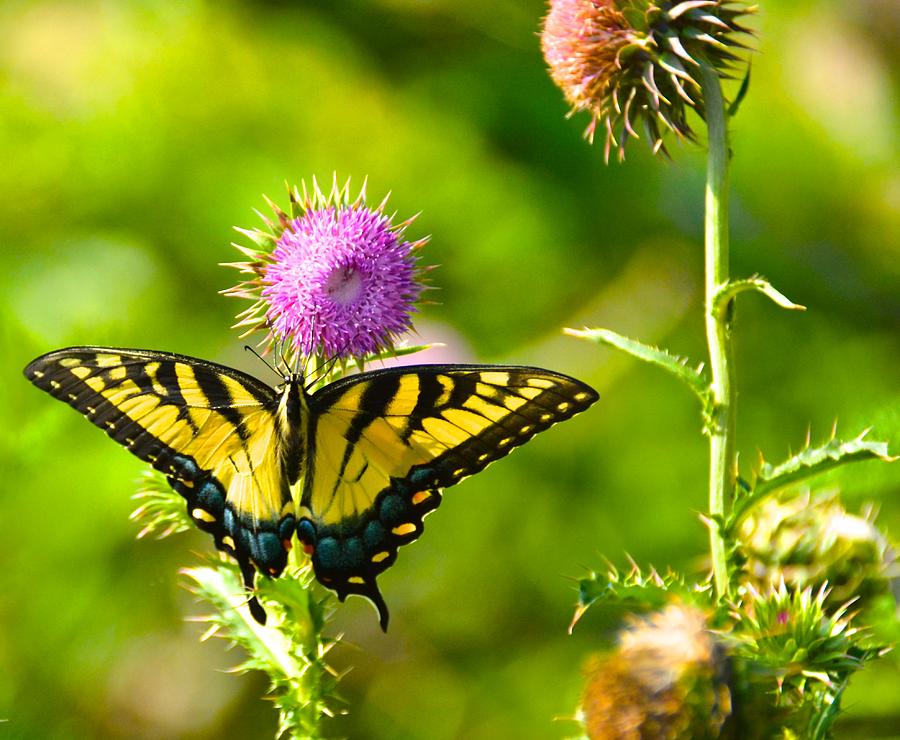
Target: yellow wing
[382,444]
[209,428]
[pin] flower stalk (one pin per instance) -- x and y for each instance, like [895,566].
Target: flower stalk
[721,424]
[766,646]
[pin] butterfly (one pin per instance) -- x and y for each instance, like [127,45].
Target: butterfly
[372,450]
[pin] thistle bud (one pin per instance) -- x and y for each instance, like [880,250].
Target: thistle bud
[793,654]
[810,541]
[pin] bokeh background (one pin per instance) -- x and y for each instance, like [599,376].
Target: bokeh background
[135,134]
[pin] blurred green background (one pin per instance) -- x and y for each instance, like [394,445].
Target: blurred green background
[135,134]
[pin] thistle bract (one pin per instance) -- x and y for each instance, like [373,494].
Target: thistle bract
[794,655]
[631,61]
[332,279]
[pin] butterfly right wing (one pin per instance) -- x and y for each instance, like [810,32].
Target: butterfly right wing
[210,429]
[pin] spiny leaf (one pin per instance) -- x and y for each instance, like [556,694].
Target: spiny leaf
[395,352]
[814,460]
[684,7]
[677,366]
[289,649]
[263,239]
[161,510]
[810,461]
[635,590]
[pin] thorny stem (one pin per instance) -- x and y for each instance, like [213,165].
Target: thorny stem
[722,422]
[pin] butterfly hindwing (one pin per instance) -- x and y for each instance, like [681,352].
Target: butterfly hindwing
[382,444]
[210,429]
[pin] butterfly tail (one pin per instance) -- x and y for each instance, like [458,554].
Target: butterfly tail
[370,591]
[378,601]
[256,609]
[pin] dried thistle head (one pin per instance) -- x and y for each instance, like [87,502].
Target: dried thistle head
[635,63]
[665,680]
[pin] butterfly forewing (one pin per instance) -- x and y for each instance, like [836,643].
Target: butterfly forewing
[209,428]
[384,443]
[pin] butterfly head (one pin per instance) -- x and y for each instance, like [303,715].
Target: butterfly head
[289,379]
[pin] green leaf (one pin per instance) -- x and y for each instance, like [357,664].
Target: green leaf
[635,591]
[814,460]
[395,352]
[677,366]
[289,648]
[161,510]
[727,293]
[807,463]
[266,645]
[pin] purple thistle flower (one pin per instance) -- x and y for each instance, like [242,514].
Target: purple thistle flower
[335,279]
[341,283]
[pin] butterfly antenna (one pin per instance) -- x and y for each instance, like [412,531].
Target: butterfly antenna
[305,366]
[262,360]
[329,364]
[316,375]
[284,366]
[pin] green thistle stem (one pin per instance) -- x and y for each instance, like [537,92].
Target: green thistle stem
[722,421]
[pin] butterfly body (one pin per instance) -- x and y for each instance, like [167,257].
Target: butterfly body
[370,452]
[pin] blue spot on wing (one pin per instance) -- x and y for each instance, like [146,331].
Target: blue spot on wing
[374,536]
[393,510]
[347,556]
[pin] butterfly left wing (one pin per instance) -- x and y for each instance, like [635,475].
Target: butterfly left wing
[210,429]
[382,444]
